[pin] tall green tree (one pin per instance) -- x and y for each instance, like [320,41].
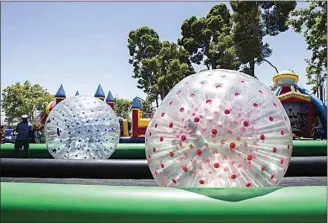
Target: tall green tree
[158,65]
[149,74]
[208,39]
[253,20]
[122,107]
[147,105]
[312,22]
[24,99]
[143,43]
[169,67]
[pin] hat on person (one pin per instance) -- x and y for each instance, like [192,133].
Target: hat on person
[24,117]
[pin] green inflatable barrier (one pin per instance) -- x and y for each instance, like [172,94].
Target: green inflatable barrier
[310,148]
[137,150]
[123,151]
[31,202]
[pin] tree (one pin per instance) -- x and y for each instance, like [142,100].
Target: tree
[312,22]
[122,107]
[24,99]
[147,105]
[158,66]
[208,39]
[143,43]
[252,22]
[169,67]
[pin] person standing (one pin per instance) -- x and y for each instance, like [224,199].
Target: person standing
[2,134]
[23,129]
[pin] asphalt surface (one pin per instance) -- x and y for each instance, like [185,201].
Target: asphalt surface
[287,181]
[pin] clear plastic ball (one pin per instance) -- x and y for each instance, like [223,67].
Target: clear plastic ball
[219,128]
[82,127]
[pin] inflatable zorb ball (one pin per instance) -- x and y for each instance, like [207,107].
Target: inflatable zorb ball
[219,128]
[82,127]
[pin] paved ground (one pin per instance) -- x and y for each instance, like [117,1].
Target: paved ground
[287,181]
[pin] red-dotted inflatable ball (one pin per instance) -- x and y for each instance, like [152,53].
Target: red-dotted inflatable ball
[219,128]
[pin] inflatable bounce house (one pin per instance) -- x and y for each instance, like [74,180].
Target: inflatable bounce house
[139,124]
[307,113]
[132,129]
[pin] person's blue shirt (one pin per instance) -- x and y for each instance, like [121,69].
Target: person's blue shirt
[23,129]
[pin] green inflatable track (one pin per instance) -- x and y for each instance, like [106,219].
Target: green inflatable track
[31,202]
[137,150]
[123,151]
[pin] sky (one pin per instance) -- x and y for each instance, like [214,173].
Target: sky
[83,44]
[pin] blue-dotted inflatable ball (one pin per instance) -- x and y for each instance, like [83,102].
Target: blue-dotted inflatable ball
[82,127]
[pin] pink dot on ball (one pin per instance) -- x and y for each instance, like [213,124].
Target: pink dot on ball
[183,137]
[245,123]
[196,119]
[181,109]
[227,111]
[171,125]
[271,118]
[214,131]
[249,157]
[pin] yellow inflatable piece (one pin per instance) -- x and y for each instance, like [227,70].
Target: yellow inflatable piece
[125,128]
[143,122]
[294,94]
[49,107]
[285,74]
